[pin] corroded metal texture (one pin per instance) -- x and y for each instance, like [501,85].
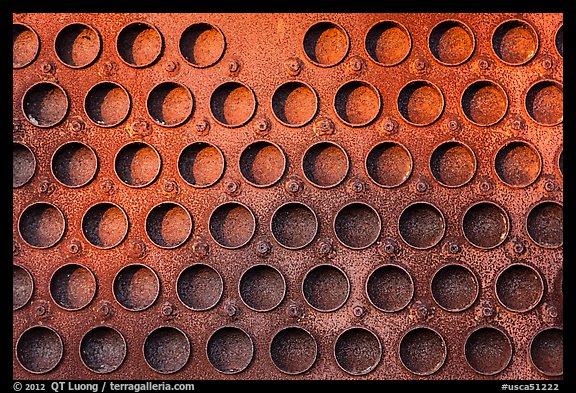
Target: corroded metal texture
[287,196]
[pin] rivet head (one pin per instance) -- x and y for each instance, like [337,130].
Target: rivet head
[547,63]
[293,186]
[549,186]
[76,125]
[233,66]
[75,247]
[107,187]
[324,127]
[263,248]
[485,186]
[202,127]
[519,248]
[46,67]
[358,311]
[453,125]
[262,126]
[389,125]
[230,309]
[170,66]
[167,310]
[419,64]
[325,248]
[137,248]
[483,64]
[293,310]
[293,66]
[421,186]
[355,63]
[357,186]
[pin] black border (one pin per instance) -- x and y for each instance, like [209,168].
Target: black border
[567,7]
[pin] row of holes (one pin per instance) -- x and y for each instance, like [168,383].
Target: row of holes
[325,44]
[293,350]
[326,288]
[357,103]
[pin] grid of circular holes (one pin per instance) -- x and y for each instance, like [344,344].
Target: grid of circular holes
[326,44]
[232,104]
[451,42]
[41,225]
[136,287]
[22,287]
[262,287]
[294,225]
[488,350]
[45,104]
[326,288]
[107,104]
[39,349]
[201,164]
[422,351]
[167,350]
[170,104]
[77,45]
[388,43]
[357,225]
[294,103]
[105,225]
[103,349]
[485,225]
[199,287]
[137,164]
[169,225]
[232,225]
[519,287]
[357,103]
[202,45]
[23,164]
[518,163]
[420,103]
[325,164]
[547,351]
[515,42]
[453,164]
[389,164]
[74,164]
[421,225]
[230,350]
[73,286]
[293,350]
[390,288]
[357,351]
[25,45]
[454,287]
[544,103]
[262,163]
[545,224]
[139,44]
[484,103]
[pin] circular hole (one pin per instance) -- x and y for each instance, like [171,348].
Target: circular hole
[294,104]
[107,104]
[103,349]
[137,164]
[451,42]
[519,288]
[357,103]
[453,164]
[294,225]
[73,287]
[25,45]
[485,225]
[169,225]
[139,44]
[515,42]
[559,41]
[136,287]
[293,350]
[45,104]
[388,43]
[544,103]
[74,164]
[77,45]
[232,104]
[199,287]
[201,164]
[325,164]
[232,225]
[420,103]
[42,225]
[389,164]
[262,163]
[170,104]
[357,351]
[262,287]
[167,350]
[202,45]
[518,164]
[326,288]
[561,162]
[326,44]
[390,288]
[421,225]
[357,225]
[230,350]
[39,349]
[105,225]
[422,351]
[484,103]
[488,350]
[547,352]
[545,224]
[454,287]
[22,287]
[23,164]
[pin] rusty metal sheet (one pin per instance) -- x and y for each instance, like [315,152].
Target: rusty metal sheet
[287,196]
